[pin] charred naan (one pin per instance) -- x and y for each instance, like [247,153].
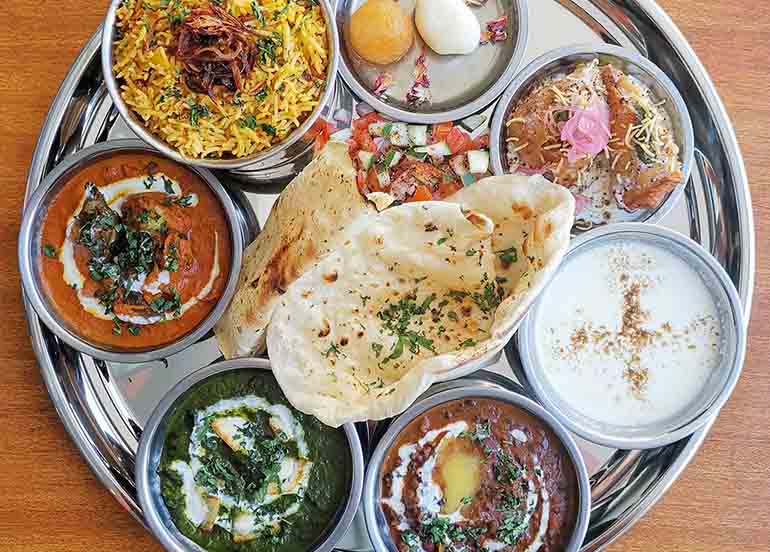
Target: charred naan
[304,225]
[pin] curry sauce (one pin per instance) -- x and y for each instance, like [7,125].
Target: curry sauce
[479,474]
[135,251]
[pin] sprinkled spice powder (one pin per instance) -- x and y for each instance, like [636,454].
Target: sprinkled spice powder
[628,333]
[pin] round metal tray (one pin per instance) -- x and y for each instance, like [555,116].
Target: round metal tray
[104,405]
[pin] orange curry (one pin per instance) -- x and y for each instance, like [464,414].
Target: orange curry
[135,251]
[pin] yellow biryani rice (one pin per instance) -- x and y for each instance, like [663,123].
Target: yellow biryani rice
[290,76]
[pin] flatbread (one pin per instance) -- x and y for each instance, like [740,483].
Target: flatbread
[414,294]
[303,226]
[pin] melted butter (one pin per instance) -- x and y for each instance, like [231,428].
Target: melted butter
[459,473]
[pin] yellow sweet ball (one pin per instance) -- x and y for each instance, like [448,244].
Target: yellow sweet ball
[380,32]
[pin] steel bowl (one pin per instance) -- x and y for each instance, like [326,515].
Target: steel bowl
[719,386]
[29,252]
[137,126]
[148,457]
[563,60]
[469,83]
[377,526]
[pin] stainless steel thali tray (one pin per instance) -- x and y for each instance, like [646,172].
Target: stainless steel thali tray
[105,405]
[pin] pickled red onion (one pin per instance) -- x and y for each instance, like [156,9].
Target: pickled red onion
[587,130]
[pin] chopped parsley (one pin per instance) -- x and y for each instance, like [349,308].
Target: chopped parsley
[480,433]
[197,112]
[470,342]
[267,49]
[171,260]
[470,252]
[377,348]
[396,319]
[258,13]
[508,256]
[411,540]
[248,122]
[365,299]
[168,303]
[333,350]
[442,240]
[507,469]
[168,185]
[49,251]
[117,326]
[133,330]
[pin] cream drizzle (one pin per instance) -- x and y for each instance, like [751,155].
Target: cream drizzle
[115,194]
[244,521]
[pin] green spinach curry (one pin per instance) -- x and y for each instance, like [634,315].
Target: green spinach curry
[243,471]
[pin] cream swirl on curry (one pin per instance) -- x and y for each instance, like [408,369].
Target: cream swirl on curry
[135,251]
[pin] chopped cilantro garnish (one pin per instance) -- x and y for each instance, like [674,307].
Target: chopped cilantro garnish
[49,251]
[508,256]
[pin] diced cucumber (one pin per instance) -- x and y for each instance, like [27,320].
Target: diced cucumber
[397,156]
[418,134]
[366,158]
[412,154]
[390,160]
[459,164]
[378,129]
[439,149]
[478,161]
[398,135]
[468,179]
[383,177]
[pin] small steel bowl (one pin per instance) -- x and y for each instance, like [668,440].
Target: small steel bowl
[446,71]
[719,386]
[137,126]
[148,457]
[377,526]
[564,60]
[29,254]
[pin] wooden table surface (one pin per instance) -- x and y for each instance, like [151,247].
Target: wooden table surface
[50,501]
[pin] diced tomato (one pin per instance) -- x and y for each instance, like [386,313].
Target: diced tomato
[372,183]
[440,132]
[421,193]
[320,127]
[319,134]
[361,183]
[364,139]
[366,120]
[458,141]
[481,142]
[446,188]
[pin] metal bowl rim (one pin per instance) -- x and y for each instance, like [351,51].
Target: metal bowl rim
[485,99]
[136,126]
[36,206]
[159,415]
[734,365]
[533,71]
[468,391]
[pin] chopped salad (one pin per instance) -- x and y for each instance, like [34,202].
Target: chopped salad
[414,162]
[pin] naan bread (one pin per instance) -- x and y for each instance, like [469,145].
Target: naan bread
[415,292]
[304,225]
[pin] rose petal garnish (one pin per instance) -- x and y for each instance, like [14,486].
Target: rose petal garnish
[587,130]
